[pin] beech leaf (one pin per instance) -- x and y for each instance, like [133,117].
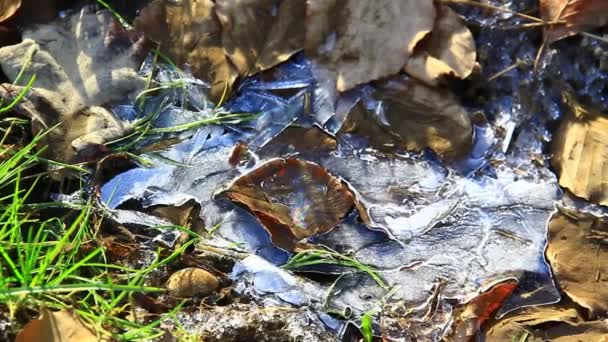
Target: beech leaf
[449,50]
[8,8]
[190,33]
[423,117]
[80,63]
[58,326]
[580,152]
[361,41]
[259,34]
[294,199]
[582,276]
[546,323]
[574,16]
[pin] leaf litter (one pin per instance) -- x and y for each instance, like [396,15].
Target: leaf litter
[408,217]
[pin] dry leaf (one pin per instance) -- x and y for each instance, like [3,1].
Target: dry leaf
[421,116]
[305,141]
[479,310]
[8,8]
[58,326]
[363,41]
[294,199]
[576,15]
[190,282]
[583,276]
[448,50]
[189,32]
[80,63]
[259,34]
[580,152]
[547,323]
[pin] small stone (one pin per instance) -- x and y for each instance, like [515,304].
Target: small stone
[191,282]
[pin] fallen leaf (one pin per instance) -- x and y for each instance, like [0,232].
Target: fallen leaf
[580,152]
[311,141]
[582,276]
[57,326]
[360,122]
[363,41]
[294,199]
[259,34]
[423,117]
[574,16]
[449,50]
[185,215]
[546,323]
[190,282]
[190,33]
[479,310]
[80,63]
[8,8]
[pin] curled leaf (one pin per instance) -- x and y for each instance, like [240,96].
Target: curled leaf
[363,41]
[580,153]
[449,50]
[572,16]
[294,199]
[8,8]
[583,276]
[259,34]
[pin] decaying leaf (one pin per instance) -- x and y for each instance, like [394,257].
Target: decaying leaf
[547,323]
[363,41]
[572,16]
[580,152]
[301,140]
[578,253]
[259,34]
[80,63]
[58,326]
[8,8]
[448,50]
[294,199]
[192,281]
[359,122]
[189,32]
[479,310]
[424,117]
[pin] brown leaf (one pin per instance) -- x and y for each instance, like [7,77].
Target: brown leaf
[8,8]
[480,309]
[259,34]
[580,152]
[363,41]
[58,326]
[423,117]
[309,141]
[448,50]
[294,199]
[189,32]
[576,15]
[81,62]
[546,323]
[578,253]
[192,281]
